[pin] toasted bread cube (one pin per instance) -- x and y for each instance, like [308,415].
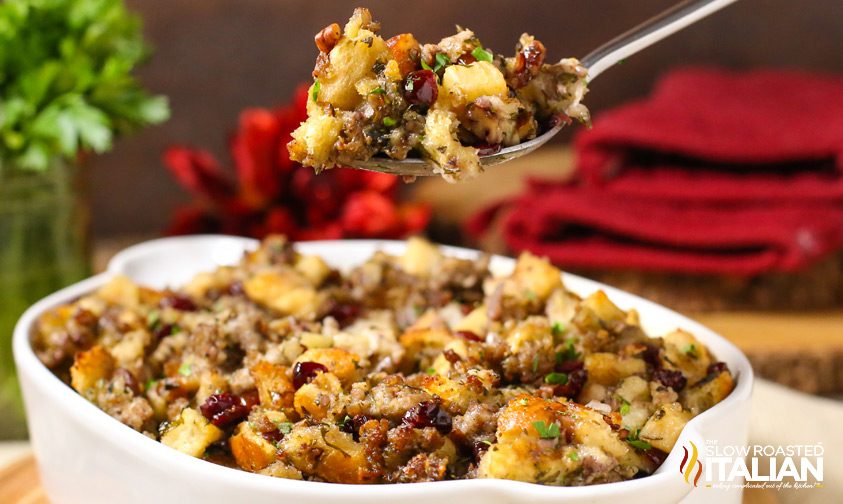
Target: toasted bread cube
[320,399]
[463,84]
[535,276]
[708,392]
[420,257]
[477,321]
[191,433]
[604,308]
[664,426]
[90,367]
[684,352]
[341,459]
[609,368]
[454,160]
[405,50]
[313,141]
[120,290]
[313,268]
[274,386]
[251,451]
[341,363]
[351,60]
[284,291]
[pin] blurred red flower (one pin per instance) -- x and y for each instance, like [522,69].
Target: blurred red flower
[272,194]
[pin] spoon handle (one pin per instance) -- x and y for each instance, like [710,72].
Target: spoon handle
[648,33]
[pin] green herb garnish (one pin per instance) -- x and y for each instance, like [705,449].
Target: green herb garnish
[314,94]
[633,441]
[379,90]
[431,371]
[558,329]
[556,378]
[425,65]
[690,350]
[546,431]
[149,384]
[481,54]
[442,61]
[389,122]
[185,369]
[285,427]
[569,353]
[574,456]
[535,363]
[624,409]
[153,318]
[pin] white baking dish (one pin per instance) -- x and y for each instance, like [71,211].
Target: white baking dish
[85,456]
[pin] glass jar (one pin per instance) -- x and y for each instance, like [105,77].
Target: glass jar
[44,221]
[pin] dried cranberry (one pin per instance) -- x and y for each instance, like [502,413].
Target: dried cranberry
[568,366]
[236,288]
[576,381]
[304,372]
[451,356]
[656,456]
[488,149]
[224,409]
[480,447]
[651,355]
[468,336]
[466,59]
[717,368]
[251,398]
[420,88]
[673,379]
[557,119]
[352,425]
[273,436]
[178,302]
[128,380]
[163,330]
[345,313]
[428,414]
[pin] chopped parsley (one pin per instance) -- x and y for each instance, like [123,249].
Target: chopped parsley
[481,54]
[175,329]
[556,378]
[546,431]
[624,409]
[316,87]
[558,328]
[153,319]
[379,90]
[389,122]
[569,353]
[285,427]
[345,421]
[150,383]
[442,61]
[431,371]
[574,456]
[690,350]
[184,369]
[633,441]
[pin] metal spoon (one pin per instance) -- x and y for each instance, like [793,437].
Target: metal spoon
[642,36]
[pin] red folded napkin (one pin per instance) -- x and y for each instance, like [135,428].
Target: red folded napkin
[717,172]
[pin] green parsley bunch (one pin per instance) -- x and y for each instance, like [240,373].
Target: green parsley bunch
[66,83]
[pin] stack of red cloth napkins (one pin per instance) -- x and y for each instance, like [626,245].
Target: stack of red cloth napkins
[737,173]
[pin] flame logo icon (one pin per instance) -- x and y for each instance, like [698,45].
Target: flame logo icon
[686,468]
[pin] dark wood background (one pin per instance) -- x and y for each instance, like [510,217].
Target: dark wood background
[214,57]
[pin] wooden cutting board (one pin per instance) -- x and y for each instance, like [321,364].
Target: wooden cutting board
[19,484]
